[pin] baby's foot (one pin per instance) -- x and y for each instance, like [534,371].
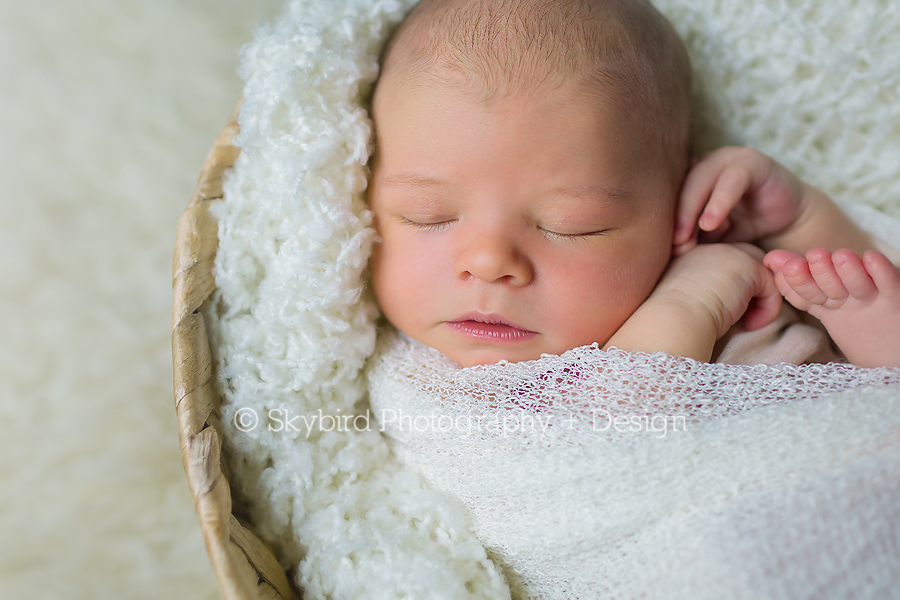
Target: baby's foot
[858,300]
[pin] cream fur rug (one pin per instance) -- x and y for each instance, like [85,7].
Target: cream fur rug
[109,108]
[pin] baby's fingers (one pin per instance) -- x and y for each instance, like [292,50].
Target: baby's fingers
[765,304]
[712,188]
[731,186]
[698,185]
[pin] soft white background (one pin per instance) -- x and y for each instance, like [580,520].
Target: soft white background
[108,110]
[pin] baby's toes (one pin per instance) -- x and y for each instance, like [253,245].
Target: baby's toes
[853,274]
[798,277]
[821,266]
[885,276]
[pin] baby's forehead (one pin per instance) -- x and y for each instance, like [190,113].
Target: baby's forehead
[499,43]
[624,52]
[623,46]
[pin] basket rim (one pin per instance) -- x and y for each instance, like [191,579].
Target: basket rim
[245,567]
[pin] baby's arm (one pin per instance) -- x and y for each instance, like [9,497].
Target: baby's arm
[858,300]
[741,195]
[699,297]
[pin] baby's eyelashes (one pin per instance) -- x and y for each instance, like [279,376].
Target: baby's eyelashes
[428,225]
[432,225]
[573,236]
[568,232]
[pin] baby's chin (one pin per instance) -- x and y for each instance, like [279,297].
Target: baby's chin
[469,351]
[491,356]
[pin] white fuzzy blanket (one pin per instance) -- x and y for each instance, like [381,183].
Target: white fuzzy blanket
[814,84]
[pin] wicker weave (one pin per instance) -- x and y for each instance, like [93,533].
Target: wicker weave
[245,567]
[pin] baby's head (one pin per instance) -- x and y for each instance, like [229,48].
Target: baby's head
[528,158]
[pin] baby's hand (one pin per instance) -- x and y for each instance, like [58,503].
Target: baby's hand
[722,283]
[736,195]
[699,297]
[857,299]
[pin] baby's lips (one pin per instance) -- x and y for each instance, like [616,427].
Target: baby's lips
[490,318]
[496,331]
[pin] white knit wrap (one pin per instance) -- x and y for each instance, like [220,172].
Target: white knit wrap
[815,84]
[625,475]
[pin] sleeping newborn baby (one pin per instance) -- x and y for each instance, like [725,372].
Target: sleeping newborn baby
[534,192]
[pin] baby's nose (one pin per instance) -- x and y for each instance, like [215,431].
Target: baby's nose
[494,258]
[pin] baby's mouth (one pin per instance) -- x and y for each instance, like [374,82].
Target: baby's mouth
[490,328]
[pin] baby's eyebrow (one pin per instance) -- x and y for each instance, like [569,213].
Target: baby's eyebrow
[601,192]
[413,180]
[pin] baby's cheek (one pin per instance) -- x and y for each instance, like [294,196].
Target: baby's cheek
[585,312]
[404,282]
[390,281]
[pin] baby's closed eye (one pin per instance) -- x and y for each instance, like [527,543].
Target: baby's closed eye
[577,233]
[575,222]
[427,223]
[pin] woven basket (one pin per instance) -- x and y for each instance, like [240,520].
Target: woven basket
[245,567]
